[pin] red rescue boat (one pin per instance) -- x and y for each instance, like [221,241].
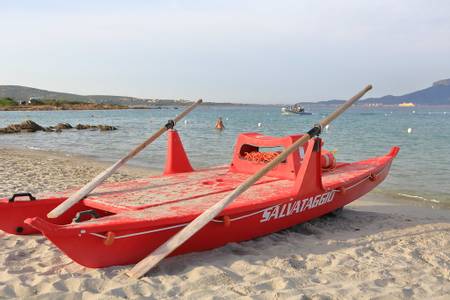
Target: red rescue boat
[121,223]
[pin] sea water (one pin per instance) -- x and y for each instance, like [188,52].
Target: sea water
[421,170]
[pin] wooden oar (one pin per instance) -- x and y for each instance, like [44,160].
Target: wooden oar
[165,249]
[85,190]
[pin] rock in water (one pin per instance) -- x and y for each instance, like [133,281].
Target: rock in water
[106,127]
[31,126]
[10,129]
[94,127]
[83,126]
[60,126]
[13,128]
[27,125]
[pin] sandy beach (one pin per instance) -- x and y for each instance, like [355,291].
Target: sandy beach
[377,248]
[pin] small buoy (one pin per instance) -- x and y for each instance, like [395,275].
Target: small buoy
[259,124]
[186,121]
[326,127]
[413,111]
[226,119]
[409,130]
[327,160]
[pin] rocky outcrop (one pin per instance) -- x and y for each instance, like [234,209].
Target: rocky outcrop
[82,126]
[27,126]
[95,127]
[31,126]
[10,129]
[63,126]
[106,127]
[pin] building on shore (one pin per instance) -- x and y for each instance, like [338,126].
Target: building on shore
[34,100]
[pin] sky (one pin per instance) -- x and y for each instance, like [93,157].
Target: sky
[225,51]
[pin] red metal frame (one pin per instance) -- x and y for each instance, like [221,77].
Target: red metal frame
[177,160]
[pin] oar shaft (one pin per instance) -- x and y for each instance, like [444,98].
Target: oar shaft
[100,178]
[198,223]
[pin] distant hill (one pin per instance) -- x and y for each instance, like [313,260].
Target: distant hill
[437,94]
[23,93]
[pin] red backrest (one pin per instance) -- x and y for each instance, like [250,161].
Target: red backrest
[252,141]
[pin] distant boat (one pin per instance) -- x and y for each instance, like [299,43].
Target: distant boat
[296,109]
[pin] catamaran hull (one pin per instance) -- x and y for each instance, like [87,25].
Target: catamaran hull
[128,242]
[120,223]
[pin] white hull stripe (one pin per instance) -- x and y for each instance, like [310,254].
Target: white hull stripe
[364,179]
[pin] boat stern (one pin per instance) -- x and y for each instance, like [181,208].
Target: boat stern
[15,210]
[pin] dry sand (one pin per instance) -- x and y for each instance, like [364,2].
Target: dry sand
[376,249]
[41,171]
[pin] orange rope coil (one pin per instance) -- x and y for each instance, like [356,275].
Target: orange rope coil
[263,157]
[328,161]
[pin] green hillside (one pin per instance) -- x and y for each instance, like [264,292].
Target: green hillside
[7,102]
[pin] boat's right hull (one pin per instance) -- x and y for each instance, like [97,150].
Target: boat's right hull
[111,244]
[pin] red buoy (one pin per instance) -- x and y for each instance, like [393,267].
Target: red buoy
[327,160]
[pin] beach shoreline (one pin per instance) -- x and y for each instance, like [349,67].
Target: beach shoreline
[378,247]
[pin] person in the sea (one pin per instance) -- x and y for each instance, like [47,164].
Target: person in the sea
[219,124]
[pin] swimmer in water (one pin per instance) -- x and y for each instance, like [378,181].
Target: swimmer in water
[219,124]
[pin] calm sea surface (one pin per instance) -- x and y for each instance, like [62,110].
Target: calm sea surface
[421,171]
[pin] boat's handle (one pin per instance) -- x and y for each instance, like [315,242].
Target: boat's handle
[13,197]
[89,212]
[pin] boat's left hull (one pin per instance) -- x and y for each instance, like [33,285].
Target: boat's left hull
[12,215]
